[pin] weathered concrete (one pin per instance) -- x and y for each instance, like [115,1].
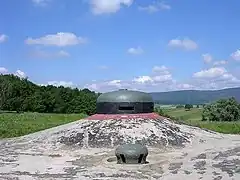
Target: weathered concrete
[85,150]
[110,133]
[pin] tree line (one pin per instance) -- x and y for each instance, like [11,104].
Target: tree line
[22,95]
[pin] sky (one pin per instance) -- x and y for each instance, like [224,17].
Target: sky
[105,45]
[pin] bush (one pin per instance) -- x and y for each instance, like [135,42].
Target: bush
[188,106]
[180,106]
[159,111]
[222,110]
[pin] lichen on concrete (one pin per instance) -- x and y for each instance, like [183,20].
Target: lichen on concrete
[86,149]
[110,133]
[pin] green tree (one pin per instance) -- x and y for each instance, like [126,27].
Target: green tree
[222,110]
[5,90]
[19,95]
[180,106]
[188,106]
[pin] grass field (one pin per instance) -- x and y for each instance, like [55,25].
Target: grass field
[14,124]
[193,117]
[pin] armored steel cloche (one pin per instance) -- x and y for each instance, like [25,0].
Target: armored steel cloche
[124,102]
[131,154]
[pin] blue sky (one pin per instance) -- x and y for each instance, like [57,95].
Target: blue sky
[136,44]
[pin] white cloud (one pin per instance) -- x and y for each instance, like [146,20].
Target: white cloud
[185,86]
[63,53]
[3,38]
[40,2]
[143,79]
[219,63]
[60,39]
[161,80]
[161,74]
[142,83]
[103,67]
[3,70]
[135,51]
[207,58]
[165,6]
[108,85]
[93,87]
[160,70]
[116,83]
[20,74]
[236,55]
[210,73]
[215,78]
[61,83]
[149,8]
[155,7]
[49,55]
[99,7]
[185,43]
[154,80]
[211,79]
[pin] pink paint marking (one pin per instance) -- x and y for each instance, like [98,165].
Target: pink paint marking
[123,116]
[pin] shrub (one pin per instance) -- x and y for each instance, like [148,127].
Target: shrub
[222,110]
[188,106]
[180,106]
[159,111]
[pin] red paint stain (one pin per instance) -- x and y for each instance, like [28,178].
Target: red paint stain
[123,116]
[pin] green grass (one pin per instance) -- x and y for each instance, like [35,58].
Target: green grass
[14,124]
[222,127]
[194,114]
[193,118]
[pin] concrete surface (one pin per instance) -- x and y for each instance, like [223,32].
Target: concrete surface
[85,150]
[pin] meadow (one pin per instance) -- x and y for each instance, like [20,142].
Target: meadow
[194,118]
[19,124]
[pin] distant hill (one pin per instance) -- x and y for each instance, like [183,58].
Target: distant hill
[194,96]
